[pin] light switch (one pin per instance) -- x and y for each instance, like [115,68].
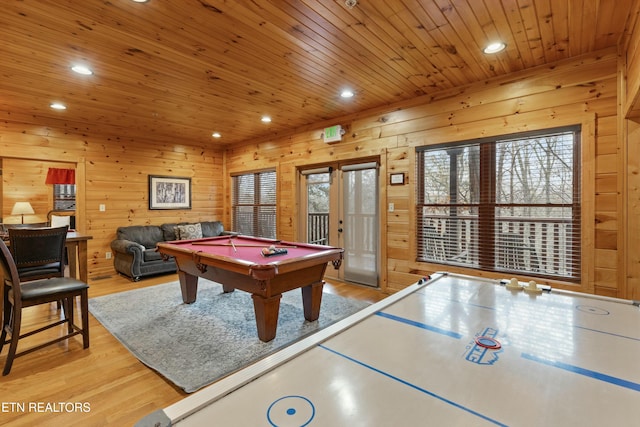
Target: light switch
[392,207]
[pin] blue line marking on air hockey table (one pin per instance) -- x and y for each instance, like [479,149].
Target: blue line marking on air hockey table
[586,372]
[419,325]
[415,387]
[606,333]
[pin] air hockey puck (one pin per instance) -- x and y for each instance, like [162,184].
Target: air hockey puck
[488,342]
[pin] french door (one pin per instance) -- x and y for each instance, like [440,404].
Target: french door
[340,208]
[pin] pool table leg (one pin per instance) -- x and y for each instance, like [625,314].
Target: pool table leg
[266,310]
[311,300]
[188,286]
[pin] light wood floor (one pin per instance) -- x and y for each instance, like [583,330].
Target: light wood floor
[104,385]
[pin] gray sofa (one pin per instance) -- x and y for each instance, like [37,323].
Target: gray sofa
[134,249]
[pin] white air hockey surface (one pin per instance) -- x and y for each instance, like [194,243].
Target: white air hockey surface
[566,359]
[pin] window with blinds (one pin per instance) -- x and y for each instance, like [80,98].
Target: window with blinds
[507,205]
[254,204]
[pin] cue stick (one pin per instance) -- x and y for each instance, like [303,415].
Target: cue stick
[240,245]
[232,245]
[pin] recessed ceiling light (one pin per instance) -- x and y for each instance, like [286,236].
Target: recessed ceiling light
[346,93]
[58,106]
[81,69]
[216,135]
[140,1]
[494,47]
[266,119]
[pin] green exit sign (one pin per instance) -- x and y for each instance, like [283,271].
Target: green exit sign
[332,134]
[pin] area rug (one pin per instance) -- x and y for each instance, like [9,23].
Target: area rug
[193,345]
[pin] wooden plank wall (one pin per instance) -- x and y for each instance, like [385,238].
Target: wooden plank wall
[631,102]
[580,91]
[633,218]
[113,171]
[630,147]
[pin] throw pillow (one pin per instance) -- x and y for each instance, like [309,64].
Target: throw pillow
[189,231]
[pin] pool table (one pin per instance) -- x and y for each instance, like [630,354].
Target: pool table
[238,262]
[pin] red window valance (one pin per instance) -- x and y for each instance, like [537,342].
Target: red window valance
[61,176]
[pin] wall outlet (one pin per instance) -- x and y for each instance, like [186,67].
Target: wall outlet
[103,208]
[108,255]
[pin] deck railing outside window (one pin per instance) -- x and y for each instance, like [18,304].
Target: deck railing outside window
[318,228]
[539,246]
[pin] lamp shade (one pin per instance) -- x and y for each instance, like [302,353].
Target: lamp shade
[22,208]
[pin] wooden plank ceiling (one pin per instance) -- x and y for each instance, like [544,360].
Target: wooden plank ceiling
[172,70]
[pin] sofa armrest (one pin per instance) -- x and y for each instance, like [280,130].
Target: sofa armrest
[229,233]
[127,247]
[128,257]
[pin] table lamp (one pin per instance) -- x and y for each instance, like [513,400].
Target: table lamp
[22,209]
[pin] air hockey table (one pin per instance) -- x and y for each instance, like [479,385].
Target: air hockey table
[448,350]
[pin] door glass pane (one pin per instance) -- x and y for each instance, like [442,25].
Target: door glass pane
[360,225]
[318,208]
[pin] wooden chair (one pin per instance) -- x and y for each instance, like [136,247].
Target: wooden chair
[38,252]
[58,218]
[18,294]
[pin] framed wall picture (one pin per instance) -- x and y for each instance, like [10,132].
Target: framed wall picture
[396,179]
[169,192]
